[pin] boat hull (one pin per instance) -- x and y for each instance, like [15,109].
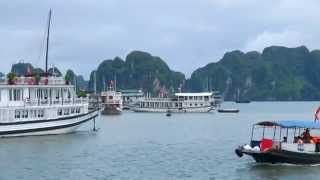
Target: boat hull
[283,156]
[111,110]
[174,110]
[46,126]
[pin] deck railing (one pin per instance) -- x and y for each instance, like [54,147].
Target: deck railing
[43,102]
[32,81]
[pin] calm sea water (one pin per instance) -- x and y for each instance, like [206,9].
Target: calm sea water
[153,146]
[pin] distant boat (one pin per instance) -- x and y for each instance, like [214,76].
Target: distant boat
[243,101]
[111,100]
[228,110]
[181,103]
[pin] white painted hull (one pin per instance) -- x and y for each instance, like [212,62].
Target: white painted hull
[46,127]
[174,110]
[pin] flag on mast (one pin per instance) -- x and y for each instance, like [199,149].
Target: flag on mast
[317,114]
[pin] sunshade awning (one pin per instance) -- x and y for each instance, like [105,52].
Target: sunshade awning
[292,124]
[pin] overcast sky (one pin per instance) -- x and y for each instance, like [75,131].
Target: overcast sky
[187,34]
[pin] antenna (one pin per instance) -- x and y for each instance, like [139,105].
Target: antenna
[48,34]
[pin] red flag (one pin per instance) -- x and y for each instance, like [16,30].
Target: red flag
[317,114]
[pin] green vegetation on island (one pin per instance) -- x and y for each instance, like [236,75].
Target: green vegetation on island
[140,70]
[278,73]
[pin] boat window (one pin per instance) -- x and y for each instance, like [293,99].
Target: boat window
[15,94]
[24,114]
[190,104]
[176,104]
[78,110]
[195,98]
[110,97]
[40,113]
[66,111]
[69,94]
[45,93]
[17,114]
[206,98]
[200,97]
[190,97]
[196,104]
[10,94]
[57,93]
[72,110]
[33,113]
[59,112]
[185,98]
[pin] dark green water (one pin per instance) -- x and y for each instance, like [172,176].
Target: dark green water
[153,146]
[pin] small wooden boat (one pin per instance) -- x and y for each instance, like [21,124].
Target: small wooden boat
[280,148]
[228,110]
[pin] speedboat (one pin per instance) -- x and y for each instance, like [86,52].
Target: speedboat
[281,142]
[231,110]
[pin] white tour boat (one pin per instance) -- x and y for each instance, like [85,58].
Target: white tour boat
[111,100]
[49,106]
[40,105]
[181,102]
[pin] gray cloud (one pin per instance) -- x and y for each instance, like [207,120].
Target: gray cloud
[187,34]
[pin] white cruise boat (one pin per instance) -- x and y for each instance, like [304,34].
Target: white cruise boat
[40,105]
[47,107]
[181,102]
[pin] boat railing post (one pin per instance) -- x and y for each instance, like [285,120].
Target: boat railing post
[274,133]
[94,124]
[252,129]
[263,131]
[280,134]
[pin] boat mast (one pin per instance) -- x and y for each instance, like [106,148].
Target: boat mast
[115,82]
[95,82]
[47,45]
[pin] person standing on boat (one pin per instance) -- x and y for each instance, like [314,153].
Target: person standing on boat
[317,114]
[306,137]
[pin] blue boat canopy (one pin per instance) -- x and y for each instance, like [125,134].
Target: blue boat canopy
[311,124]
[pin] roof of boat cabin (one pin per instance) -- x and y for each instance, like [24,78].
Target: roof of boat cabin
[194,94]
[292,124]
